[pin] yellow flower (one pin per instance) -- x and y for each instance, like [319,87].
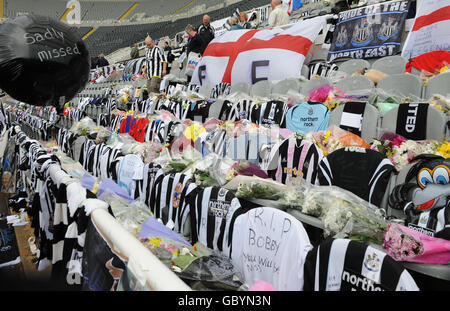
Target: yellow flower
[155,241]
[444,150]
[95,189]
[326,136]
[443,69]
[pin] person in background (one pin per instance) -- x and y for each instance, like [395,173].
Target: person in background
[7,184]
[94,62]
[234,23]
[195,42]
[134,51]
[169,56]
[155,67]
[278,16]
[102,61]
[243,20]
[206,31]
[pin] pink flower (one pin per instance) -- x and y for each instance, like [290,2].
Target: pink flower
[398,141]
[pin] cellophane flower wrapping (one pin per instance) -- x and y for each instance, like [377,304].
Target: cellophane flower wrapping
[343,214]
[406,244]
[401,150]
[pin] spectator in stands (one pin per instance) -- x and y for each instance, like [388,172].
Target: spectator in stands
[278,16]
[243,20]
[206,31]
[234,23]
[155,67]
[168,53]
[94,62]
[195,42]
[7,184]
[102,61]
[135,51]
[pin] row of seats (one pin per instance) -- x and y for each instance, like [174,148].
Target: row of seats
[402,85]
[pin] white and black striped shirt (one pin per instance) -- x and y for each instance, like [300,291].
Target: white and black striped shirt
[345,265]
[364,172]
[293,159]
[212,210]
[168,198]
[155,59]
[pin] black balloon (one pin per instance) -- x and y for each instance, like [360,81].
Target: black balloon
[42,61]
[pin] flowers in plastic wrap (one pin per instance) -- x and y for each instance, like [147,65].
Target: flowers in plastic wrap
[175,255]
[335,138]
[103,136]
[401,150]
[406,244]
[440,102]
[244,167]
[400,245]
[258,190]
[444,150]
[345,215]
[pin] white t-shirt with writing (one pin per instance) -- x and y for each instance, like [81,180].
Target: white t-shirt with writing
[270,245]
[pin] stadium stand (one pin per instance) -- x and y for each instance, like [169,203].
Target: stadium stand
[355,145]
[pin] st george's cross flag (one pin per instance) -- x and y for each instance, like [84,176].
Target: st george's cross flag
[430,31]
[253,55]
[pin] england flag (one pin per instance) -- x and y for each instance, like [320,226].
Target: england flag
[430,29]
[252,55]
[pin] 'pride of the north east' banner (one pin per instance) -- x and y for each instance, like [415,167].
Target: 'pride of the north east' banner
[254,55]
[369,32]
[431,29]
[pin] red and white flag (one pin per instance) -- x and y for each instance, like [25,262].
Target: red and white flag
[431,29]
[253,55]
[287,4]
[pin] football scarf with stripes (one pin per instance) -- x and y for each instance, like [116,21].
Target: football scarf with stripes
[352,116]
[412,121]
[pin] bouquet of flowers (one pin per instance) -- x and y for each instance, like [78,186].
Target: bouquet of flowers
[441,103]
[335,138]
[406,244]
[399,245]
[401,150]
[343,213]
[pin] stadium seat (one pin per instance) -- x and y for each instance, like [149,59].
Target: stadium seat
[404,85]
[241,87]
[439,84]
[305,71]
[369,124]
[390,64]
[435,123]
[205,90]
[350,66]
[354,83]
[261,89]
[282,87]
[313,84]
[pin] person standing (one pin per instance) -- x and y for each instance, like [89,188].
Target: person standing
[278,16]
[102,61]
[169,56]
[195,42]
[135,51]
[243,20]
[155,67]
[206,31]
